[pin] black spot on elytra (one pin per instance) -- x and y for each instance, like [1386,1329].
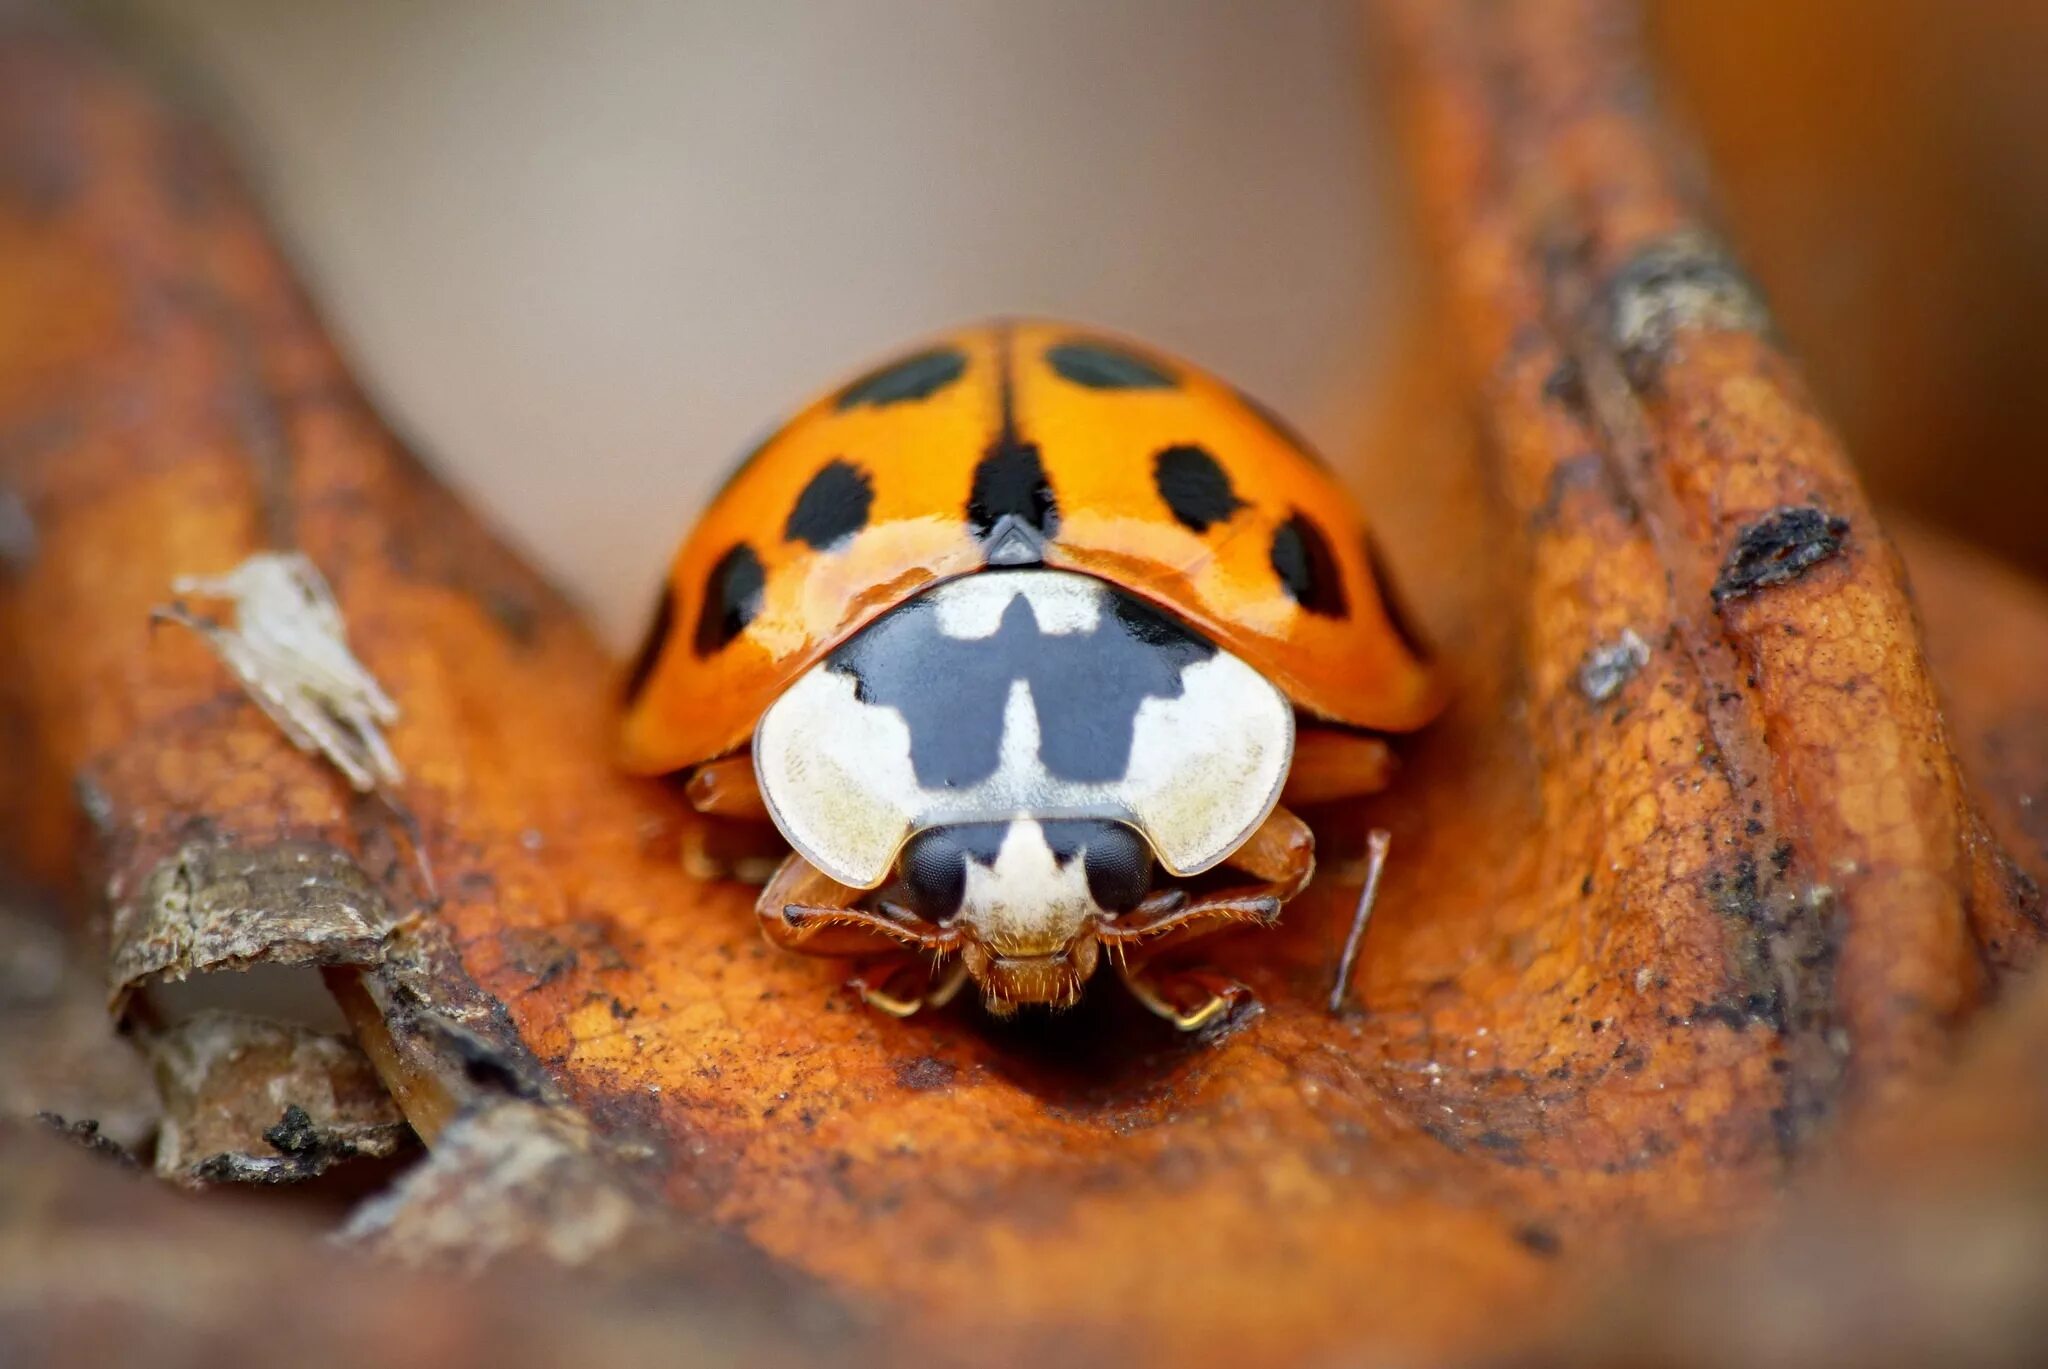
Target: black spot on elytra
[1394,603]
[1010,482]
[1195,486]
[1086,687]
[918,376]
[1099,366]
[1307,568]
[1779,548]
[833,507]
[732,596]
[651,644]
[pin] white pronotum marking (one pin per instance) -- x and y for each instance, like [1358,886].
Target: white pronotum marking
[1205,768]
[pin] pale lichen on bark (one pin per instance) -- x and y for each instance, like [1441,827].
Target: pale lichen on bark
[289,648]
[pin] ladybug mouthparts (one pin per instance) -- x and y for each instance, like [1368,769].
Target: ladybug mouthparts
[1054,980]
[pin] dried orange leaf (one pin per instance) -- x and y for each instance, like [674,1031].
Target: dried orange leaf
[1685,882]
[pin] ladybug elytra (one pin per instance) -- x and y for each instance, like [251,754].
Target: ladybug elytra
[1024,642]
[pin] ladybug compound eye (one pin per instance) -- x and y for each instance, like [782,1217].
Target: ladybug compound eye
[1119,866]
[1113,860]
[933,868]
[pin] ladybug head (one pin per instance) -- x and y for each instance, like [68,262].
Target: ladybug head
[1027,896]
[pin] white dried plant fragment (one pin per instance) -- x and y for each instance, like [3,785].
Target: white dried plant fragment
[289,649]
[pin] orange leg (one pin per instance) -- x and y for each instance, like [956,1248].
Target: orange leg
[805,910]
[726,789]
[718,848]
[1280,856]
[735,840]
[900,985]
[1330,765]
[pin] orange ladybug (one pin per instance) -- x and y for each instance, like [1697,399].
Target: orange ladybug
[1025,642]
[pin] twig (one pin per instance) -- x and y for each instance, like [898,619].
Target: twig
[1376,843]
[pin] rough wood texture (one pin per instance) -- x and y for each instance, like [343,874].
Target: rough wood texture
[1687,882]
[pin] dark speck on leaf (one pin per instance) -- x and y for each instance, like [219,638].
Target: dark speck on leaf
[1780,548]
[925,1073]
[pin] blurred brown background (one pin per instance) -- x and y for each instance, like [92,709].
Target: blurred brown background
[1883,166]
[584,254]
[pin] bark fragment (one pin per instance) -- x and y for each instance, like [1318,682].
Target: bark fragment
[87,1136]
[215,906]
[507,1178]
[249,1101]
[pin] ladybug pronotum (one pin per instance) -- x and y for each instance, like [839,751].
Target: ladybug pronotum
[1027,643]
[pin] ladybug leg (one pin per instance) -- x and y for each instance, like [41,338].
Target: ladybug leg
[905,968]
[716,849]
[804,909]
[1280,855]
[735,840]
[1191,997]
[901,985]
[1330,765]
[727,789]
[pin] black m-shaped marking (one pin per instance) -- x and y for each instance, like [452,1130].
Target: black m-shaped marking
[1086,687]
